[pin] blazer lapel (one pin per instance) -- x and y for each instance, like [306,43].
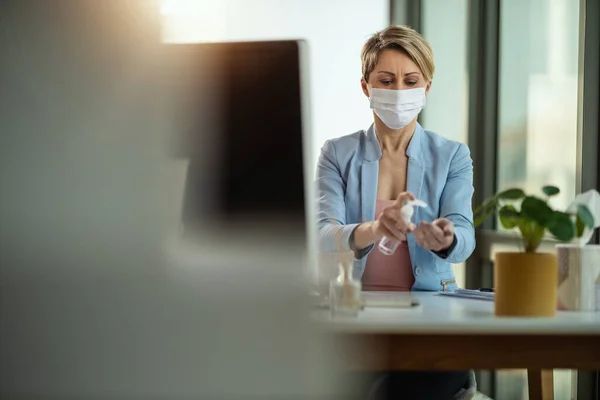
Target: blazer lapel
[414,179]
[414,175]
[369,174]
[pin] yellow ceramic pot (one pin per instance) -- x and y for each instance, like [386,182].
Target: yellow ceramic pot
[526,284]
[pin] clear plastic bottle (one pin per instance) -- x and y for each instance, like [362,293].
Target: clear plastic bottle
[388,246]
[344,291]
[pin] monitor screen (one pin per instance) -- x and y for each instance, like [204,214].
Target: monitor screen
[244,141]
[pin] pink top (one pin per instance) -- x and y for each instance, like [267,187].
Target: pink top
[388,273]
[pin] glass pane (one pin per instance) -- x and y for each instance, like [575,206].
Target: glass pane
[445,28]
[538,96]
[446,113]
[537,143]
[512,384]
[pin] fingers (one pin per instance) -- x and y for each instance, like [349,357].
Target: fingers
[442,222]
[430,236]
[394,235]
[403,198]
[393,220]
[446,225]
[435,236]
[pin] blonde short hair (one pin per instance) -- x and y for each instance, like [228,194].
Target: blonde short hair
[400,38]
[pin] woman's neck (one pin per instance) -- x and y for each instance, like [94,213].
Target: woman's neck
[394,140]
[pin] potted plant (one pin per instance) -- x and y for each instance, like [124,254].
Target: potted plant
[526,282]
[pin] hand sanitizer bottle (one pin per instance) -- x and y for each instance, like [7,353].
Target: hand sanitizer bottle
[388,246]
[344,291]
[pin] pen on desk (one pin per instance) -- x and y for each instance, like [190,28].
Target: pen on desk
[486,290]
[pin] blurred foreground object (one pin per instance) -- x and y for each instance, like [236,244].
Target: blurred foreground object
[91,306]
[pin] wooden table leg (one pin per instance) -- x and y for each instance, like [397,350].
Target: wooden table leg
[541,384]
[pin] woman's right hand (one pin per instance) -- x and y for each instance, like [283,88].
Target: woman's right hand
[391,224]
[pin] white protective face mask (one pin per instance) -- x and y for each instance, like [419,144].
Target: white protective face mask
[397,108]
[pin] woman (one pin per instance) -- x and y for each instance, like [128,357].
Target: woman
[365,178]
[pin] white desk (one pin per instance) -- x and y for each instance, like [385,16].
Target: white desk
[453,333]
[452,315]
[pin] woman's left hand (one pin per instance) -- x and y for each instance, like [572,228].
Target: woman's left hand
[435,236]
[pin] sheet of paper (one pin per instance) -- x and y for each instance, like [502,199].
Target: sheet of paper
[470,294]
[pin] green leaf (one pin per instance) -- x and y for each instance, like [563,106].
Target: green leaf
[478,209]
[488,210]
[579,226]
[525,228]
[509,217]
[485,206]
[532,234]
[511,194]
[561,226]
[586,216]
[536,210]
[480,219]
[550,190]
[537,234]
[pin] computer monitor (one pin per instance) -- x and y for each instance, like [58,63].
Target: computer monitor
[246,135]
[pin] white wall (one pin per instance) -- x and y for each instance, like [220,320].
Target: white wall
[334,29]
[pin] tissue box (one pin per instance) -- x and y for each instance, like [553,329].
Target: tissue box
[579,277]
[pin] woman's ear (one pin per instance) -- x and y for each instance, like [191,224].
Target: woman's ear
[365,87]
[428,87]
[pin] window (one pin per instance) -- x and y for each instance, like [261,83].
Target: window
[445,28]
[537,126]
[537,121]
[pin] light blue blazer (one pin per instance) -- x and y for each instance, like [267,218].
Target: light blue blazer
[440,172]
